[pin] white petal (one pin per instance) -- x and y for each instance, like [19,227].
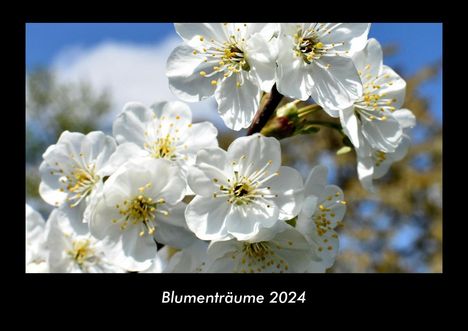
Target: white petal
[172,230]
[220,255]
[244,222]
[36,235]
[123,153]
[129,126]
[327,247]
[252,153]
[369,61]
[353,35]
[289,188]
[97,148]
[382,135]
[35,225]
[58,258]
[336,82]
[137,252]
[202,135]
[400,152]
[331,201]
[74,216]
[316,267]
[268,234]
[206,218]
[405,117]
[293,80]
[157,265]
[167,181]
[218,249]
[49,188]
[390,86]
[309,206]
[402,149]
[316,181]
[100,220]
[350,125]
[289,29]
[190,259]
[304,222]
[237,105]
[294,249]
[40,267]
[261,56]
[191,32]
[365,169]
[267,30]
[72,142]
[207,175]
[172,115]
[183,70]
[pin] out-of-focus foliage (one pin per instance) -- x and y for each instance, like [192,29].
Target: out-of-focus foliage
[51,108]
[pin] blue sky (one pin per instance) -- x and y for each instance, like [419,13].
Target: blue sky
[419,44]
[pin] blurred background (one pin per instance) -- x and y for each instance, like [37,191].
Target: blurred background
[79,76]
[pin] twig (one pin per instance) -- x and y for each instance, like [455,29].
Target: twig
[266,111]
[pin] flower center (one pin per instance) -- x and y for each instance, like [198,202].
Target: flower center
[241,192]
[235,56]
[244,190]
[379,157]
[309,47]
[140,211]
[256,257]
[256,250]
[82,252]
[162,148]
[324,220]
[372,107]
[229,55]
[373,102]
[80,182]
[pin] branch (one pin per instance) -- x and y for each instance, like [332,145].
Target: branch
[265,111]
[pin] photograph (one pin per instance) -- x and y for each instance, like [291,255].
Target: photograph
[244,147]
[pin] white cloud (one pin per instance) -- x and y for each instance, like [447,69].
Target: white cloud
[130,72]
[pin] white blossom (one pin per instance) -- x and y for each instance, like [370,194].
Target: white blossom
[369,122]
[241,191]
[190,259]
[36,250]
[287,251]
[73,170]
[141,202]
[322,211]
[164,130]
[375,163]
[314,59]
[73,250]
[235,62]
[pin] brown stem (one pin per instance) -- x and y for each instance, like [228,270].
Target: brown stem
[265,111]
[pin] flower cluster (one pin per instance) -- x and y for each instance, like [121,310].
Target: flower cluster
[160,195]
[334,64]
